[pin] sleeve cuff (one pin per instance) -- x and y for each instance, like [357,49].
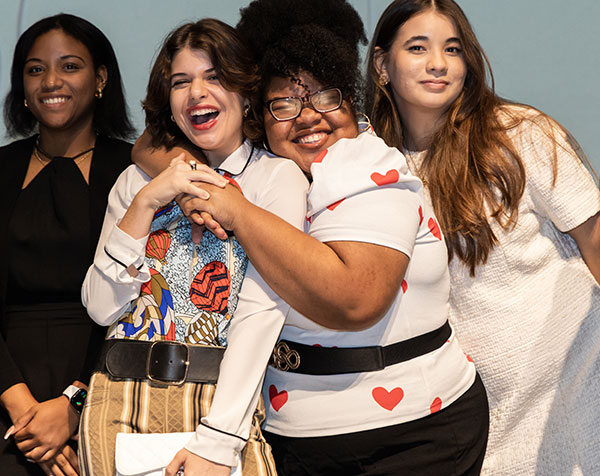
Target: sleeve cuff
[216,446]
[127,252]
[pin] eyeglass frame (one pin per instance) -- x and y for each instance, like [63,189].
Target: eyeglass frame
[305,99]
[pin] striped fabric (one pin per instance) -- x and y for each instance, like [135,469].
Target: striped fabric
[136,406]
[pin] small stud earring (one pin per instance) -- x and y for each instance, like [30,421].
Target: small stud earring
[384,80]
[98,93]
[246,110]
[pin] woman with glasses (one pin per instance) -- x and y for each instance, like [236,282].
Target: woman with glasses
[367,376]
[185,316]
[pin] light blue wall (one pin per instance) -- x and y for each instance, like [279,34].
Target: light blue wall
[543,52]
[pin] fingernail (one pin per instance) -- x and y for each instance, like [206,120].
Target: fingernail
[9,432]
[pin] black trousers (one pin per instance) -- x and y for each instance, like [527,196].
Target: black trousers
[450,442]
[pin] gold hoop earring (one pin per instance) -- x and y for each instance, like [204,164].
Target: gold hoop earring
[383,80]
[98,93]
[26,103]
[364,123]
[246,110]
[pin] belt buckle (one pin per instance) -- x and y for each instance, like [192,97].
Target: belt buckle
[284,358]
[160,350]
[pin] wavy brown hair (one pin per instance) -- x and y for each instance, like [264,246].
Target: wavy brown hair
[233,64]
[472,169]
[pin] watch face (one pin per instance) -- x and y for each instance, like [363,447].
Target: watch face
[78,399]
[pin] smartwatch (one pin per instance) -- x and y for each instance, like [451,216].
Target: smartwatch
[76,397]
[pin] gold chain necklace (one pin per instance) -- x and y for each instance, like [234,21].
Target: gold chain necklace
[77,159]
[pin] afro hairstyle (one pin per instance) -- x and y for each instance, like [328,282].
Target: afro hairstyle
[319,37]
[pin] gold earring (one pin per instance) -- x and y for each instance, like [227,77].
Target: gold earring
[25,102]
[246,110]
[383,80]
[172,118]
[98,93]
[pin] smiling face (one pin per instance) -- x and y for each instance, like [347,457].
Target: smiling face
[301,139]
[59,80]
[425,65]
[208,114]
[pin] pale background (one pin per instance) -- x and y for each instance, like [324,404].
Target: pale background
[543,52]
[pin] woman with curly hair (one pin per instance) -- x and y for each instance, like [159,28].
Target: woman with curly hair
[520,213]
[192,325]
[367,376]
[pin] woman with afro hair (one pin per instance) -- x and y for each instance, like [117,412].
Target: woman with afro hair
[367,376]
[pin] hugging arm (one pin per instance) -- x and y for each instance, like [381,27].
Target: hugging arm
[153,160]
[346,285]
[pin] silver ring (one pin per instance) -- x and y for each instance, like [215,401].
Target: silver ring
[194,166]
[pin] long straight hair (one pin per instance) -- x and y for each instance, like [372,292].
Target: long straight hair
[472,170]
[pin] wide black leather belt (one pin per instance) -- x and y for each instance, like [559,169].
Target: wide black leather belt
[162,362]
[312,360]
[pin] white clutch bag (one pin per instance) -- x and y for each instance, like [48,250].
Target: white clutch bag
[147,454]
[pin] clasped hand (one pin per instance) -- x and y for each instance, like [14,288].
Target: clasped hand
[42,432]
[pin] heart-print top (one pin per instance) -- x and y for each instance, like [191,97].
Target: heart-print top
[362,191]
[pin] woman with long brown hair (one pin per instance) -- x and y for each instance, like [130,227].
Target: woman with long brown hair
[520,215]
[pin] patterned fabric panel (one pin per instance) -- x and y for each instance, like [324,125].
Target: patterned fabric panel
[193,289]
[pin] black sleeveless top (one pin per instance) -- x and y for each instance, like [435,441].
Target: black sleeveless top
[49,237]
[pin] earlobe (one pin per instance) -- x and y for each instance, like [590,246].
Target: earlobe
[101,77]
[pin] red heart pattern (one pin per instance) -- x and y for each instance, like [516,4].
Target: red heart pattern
[420,215]
[434,228]
[436,405]
[320,157]
[404,286]
[278,399]
[334,205]
[388,400]
[468,357]
[391,176]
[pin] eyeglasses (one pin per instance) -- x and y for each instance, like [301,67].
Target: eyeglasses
[286,109]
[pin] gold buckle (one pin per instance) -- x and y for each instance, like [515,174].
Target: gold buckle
[284,358]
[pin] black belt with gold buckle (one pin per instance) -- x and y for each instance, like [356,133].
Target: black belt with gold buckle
[299,358]
[161,362]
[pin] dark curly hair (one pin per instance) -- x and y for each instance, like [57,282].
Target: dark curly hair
[319,37]
[110,114]
[231,59]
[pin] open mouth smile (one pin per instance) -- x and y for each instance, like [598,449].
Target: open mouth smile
[203,117]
